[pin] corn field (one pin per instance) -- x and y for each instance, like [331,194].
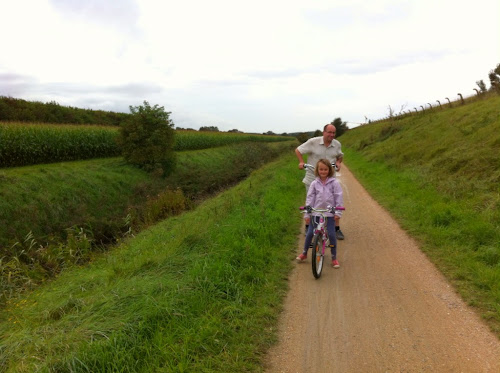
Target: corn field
[24,144]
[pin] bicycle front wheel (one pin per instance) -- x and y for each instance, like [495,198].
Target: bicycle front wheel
[317,255]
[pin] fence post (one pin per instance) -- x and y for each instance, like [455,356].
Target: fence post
[461,98]
[439,103]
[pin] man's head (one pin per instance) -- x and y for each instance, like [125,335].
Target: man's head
[329,133]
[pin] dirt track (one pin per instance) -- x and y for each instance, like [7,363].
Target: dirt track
[386,309]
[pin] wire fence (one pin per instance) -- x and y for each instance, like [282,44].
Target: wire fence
[458,100]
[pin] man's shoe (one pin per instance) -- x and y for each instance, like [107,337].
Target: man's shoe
[335,263]
[301,257]
[339,235]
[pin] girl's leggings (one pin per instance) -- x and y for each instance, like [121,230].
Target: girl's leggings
[330,226]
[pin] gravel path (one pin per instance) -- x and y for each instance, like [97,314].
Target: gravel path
[387,309]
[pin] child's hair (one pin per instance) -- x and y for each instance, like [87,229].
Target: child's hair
[327,164]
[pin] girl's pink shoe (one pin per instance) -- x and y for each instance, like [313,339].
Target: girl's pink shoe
[301,257]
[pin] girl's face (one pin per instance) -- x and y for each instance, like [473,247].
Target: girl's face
[323,171]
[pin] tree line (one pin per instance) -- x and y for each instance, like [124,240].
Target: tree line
[19,110]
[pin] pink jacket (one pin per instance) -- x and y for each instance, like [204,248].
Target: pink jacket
[321,195]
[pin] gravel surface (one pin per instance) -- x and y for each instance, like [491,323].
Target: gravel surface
[386,309]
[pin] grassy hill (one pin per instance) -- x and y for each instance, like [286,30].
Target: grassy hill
[438,173]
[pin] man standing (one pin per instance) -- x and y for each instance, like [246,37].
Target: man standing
[321,147]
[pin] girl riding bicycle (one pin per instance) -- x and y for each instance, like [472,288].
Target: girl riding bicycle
[324,191]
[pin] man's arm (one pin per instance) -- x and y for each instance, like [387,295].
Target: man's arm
[300,158]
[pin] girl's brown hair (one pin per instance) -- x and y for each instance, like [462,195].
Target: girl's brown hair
[327,164]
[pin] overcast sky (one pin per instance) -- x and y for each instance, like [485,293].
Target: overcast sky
[256,66]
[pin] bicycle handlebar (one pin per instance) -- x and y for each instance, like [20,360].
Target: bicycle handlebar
[332,209]
[311,167]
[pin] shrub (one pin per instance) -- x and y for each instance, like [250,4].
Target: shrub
[147,139]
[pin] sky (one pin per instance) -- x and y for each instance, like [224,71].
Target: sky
[256,66]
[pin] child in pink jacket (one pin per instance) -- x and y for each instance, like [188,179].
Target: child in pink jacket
[324,191]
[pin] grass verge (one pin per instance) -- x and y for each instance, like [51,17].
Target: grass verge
[198,292]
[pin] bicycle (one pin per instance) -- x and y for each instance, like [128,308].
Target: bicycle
[320,239]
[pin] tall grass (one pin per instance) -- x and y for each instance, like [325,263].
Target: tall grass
[438,173]
[200,292]
[48,199]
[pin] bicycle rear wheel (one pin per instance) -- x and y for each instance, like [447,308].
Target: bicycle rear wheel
[317,256]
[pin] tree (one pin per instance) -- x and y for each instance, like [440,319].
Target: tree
[318,133]
[494,76]
[340,126]
[302,137]
[147,139]
[209,128]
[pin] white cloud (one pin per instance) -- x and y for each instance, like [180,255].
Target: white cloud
[275,65]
